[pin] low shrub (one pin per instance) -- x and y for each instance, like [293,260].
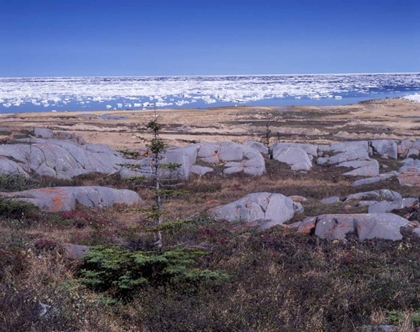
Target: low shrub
[15,209]
[121,271]
[16,182]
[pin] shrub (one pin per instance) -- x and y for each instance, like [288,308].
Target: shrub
[15,209]
[16,182]
[122,271]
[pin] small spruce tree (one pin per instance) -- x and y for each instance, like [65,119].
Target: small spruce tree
[121,270]
[157,148]
[161,174]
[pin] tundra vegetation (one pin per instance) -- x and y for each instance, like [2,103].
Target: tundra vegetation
[198,274]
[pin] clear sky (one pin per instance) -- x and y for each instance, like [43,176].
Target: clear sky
[215,37]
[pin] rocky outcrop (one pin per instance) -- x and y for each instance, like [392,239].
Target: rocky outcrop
[66,198]
[66,159]
[298,156]
[58,158]
[201,170]
[386,206]
[48,134]
[310,149]
[344,151]
[361,167]
[258,210]
[407,148]
[365,226]
[258,146]
[351,155]
[409,174]
[385,148]
[235,157]
[376,195]
[380,177]
[64,156]
[381,201]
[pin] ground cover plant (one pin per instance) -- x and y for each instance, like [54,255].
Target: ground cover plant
[204,276]
[275,280]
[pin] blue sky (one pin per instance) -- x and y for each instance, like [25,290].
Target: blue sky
[196,37]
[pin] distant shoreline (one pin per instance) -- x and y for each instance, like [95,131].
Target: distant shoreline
[102,112]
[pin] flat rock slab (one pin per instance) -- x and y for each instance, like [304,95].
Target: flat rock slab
[380,177]
[362,167]
[365,226]
[261,210]
[66,198]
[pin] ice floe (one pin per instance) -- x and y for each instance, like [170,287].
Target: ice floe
[414,97]
[176,91]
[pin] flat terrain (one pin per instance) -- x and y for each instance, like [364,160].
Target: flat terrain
[387,119]
[277,280]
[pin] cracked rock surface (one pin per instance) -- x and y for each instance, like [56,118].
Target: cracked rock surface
[66,198]
[262,210]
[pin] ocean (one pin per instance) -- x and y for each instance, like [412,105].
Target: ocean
[49,94]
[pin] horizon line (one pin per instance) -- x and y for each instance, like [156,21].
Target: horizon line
[217,75]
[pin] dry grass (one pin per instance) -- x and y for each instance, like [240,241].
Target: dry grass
[279,280]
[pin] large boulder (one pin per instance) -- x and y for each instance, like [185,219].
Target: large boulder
[258,146]
[365,226]
[66,198]
[261,210]
[297,158]
[385,148]
[185,157]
